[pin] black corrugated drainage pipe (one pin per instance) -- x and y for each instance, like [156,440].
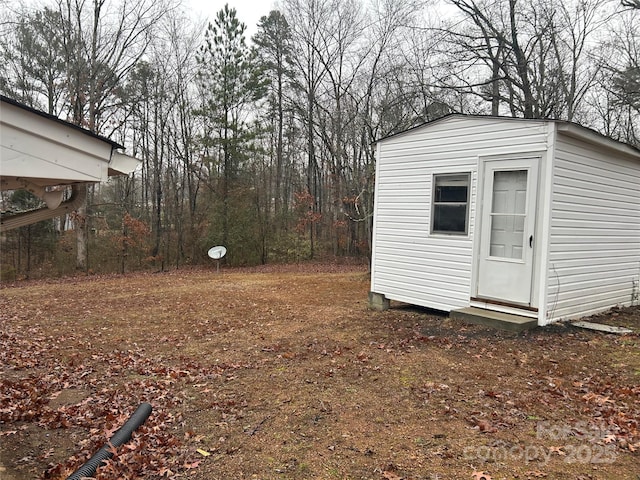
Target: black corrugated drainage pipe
[123,435]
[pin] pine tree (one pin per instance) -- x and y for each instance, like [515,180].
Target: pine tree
[274,56]
[230,84]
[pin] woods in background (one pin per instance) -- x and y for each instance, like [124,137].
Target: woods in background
[265,144]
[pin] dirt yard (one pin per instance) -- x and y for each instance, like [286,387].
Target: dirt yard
[284,373]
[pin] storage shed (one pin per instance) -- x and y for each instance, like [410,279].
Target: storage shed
[537,220]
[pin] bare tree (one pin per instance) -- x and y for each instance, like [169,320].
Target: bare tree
[102,42]
[538,54]
[274,47]
[570,30]
[377,95]
[496,42]
[616,106]
[306,18]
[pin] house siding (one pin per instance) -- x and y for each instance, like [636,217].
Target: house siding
[410,264]
[594,251]
[35,146]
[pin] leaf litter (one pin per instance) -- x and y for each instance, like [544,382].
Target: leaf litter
[283,372]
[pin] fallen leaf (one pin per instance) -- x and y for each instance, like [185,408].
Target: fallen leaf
[390,475]
[485,426]
[164,471]
[480,476]
[202,452]
[558,450]
[48,453]
[535,473]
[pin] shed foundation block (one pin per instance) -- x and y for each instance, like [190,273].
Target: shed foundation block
[378,301]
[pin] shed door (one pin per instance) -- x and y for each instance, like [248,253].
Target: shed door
[507,230]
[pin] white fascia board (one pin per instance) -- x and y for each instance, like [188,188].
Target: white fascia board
[54,132]
[25,154]
[34,146]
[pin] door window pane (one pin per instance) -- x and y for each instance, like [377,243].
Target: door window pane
[508,212]
[509,191]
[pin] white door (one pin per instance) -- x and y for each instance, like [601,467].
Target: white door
[505,266]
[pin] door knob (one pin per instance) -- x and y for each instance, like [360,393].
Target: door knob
[531,241]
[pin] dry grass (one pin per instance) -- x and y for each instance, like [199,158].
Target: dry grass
[286,374]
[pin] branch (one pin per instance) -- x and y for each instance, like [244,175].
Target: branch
[631,3]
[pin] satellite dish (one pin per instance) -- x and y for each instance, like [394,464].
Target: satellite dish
[217,252]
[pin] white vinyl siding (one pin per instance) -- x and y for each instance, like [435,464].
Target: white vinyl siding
[37,147]
[409,263]
[595,230]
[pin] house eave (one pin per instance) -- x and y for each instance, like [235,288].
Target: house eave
[45,156]
[46,151]
[5,101]
[592,137]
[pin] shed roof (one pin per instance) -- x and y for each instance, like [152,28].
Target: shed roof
[571,129]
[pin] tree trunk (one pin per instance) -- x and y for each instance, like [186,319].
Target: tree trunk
[521,64]
[81,237]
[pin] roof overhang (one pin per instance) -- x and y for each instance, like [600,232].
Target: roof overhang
[594,138]
[39,151]
[569,129]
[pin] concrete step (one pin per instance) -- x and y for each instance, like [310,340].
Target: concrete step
[498,320]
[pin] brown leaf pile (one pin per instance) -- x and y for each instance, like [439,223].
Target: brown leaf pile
[26,398]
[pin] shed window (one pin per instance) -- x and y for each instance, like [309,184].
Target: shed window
[450,211]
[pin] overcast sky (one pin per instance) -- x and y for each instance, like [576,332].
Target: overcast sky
[249,11]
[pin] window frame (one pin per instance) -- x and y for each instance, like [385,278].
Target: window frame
[434,179]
